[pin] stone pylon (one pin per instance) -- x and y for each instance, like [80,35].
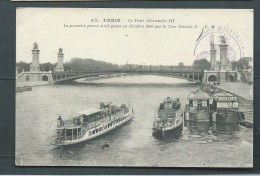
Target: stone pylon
[223,53]
[35,66]
[59,67]
[213,61]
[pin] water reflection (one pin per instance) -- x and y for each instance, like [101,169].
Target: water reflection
[129,145]
[101,144]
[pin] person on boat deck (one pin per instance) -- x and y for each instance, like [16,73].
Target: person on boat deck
[61,121]
[78,122]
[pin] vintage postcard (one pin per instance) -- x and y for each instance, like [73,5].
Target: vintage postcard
[134,87]
[61,0]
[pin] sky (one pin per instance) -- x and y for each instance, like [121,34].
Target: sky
[151,46]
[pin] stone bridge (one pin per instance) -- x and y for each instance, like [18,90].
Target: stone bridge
[190,75]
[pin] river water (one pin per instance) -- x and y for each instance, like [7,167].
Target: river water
[133,144]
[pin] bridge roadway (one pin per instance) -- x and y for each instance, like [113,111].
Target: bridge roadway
[191,75]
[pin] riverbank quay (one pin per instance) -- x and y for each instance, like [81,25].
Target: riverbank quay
[244,94]
[102,76]
[32,83]
[242,90]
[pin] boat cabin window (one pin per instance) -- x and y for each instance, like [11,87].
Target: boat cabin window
[191,103]
[200,104]
[92,117]
[168,105]
[204,103]
[171,116]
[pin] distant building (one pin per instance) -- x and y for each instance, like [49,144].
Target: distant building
[135,67]
[34,75]
[247,61]
[248,69]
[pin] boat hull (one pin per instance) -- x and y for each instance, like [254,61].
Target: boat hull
[178,127]
[226,117]
[197,116]
[87,136]
[225,128]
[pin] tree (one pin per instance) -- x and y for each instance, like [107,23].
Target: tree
[47,66]
[202,64]
[237,64]
[22,66]
[180,64]
[76,65]
[90,65]
[67,66]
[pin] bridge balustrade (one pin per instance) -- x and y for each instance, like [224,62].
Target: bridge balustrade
[188,74]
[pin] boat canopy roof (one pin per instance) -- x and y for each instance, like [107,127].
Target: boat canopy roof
[224,96]
[198,95]
[106,103]
[89,111]
[170,100]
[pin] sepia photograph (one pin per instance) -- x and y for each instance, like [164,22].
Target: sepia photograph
[134,87]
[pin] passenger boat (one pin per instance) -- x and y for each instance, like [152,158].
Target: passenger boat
[225,108]
[198,108]
[169,117]
[88,124]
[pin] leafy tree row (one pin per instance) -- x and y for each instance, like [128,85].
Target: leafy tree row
[204,64]
[76,64]
[90,65]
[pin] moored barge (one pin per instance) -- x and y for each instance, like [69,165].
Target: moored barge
[198,108]
[225,108]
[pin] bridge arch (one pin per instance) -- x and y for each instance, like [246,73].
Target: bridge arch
[212,78]
[70,76]
[231,78]
[45,78]
[27,78]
